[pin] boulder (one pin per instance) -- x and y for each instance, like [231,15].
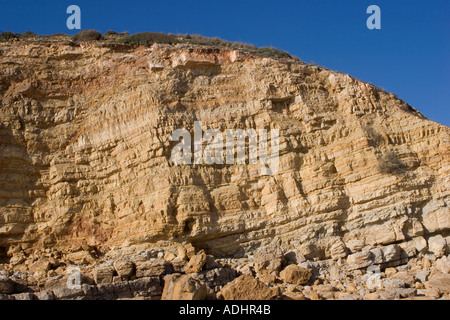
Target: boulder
[359,260]
[246,287]
[196,263]
[292,296]
[443,264]
[80,257]
[269,259]
[406,277]
[124,268]
[103,274]
[183,287]
[440,282]
[437,245]
[295,275]
[338,250]
[6,286]
[155,268]
[294,257]
[393,283]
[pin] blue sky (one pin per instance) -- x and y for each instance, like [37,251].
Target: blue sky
[409,56]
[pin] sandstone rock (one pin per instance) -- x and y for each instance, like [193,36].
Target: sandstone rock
[6,286]
[352,288]
[403,293]
[246,287]
[80,257]
[372,296]
[419,285]
[315,296]
[429,293]
[355,245]
[338,250]
[418,298]
[440,282]
[291,288]
[426,264]
[393,283]
[386,254]
[103,275]
[147,288]
[196,263]
[335,273]
[406,277]
[246,270]
[360,260]
[422,275]
[295,275]
[183,287]
[44,295]
[374,281]
[435,217]
[156,268]
[269,259]
[443,264]
[169,256]
[348,296]
[41,266]
[124,268]
[211,263]
[391,253]
[294,257]
[420,244]
[390,272]
[325,291]
[189,249]
[25,296]
[182,253]
[64,293]
[387,295]
[216,277]
[178,265]
[292,296]
[438,245]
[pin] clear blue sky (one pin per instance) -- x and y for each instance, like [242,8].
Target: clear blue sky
[409,56]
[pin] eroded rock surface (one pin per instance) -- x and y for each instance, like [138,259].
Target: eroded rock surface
[86,177]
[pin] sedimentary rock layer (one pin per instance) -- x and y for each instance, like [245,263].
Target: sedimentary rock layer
[85,153]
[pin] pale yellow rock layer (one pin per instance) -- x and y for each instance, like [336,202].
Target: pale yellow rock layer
[85,150]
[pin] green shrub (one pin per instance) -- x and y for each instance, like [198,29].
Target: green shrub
[28,34]
[7,35]
[87,35]
[272,53]
[110,33]
[148,38]
[390,163]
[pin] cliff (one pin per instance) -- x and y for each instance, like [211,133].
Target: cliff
[85,154]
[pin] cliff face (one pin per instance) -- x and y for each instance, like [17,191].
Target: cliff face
[85,153]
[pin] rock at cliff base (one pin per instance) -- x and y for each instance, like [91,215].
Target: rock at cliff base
[6,286]
[155,268]
[268,260]
[124,268]
[183,287]
[295,275]
[103,274]
[246,288]
[196,263]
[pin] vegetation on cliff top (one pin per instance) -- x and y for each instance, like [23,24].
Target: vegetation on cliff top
[149,38]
